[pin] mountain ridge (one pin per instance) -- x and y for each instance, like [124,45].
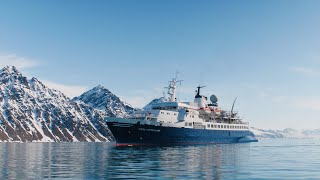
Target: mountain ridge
[101,98]
[286,133]
[30,111]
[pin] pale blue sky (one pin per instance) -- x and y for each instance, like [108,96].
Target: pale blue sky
[266,53]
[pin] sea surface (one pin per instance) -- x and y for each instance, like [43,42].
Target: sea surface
[268,159]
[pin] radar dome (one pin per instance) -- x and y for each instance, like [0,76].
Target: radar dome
[213,99]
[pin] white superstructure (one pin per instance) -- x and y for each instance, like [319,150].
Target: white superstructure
[198,114]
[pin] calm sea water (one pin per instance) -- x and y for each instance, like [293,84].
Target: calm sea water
[267,159]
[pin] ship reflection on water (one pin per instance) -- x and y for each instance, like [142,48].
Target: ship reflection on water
[179,162]
[104,161]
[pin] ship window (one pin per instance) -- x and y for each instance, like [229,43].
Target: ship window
[208,125]
[218,126]
[162,112]
[168,113]
[192,116]
[186,124]
[190,124]
[211,125]
[215,126]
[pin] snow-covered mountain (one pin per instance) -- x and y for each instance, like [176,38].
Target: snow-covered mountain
[102,99]
[30,111]
[155,101]
[286,133]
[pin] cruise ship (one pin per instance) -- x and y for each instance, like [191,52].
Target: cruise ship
[181,123]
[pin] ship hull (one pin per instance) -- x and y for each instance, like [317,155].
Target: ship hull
[127,134]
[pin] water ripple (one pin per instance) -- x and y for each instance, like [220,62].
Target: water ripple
[267,159]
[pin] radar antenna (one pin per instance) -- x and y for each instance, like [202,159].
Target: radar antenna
[198,91]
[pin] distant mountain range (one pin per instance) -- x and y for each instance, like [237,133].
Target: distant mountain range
[286,133]
[32,112]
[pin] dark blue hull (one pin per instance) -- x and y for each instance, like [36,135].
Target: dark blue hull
[136,134]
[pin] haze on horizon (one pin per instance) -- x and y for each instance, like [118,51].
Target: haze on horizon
[266,53]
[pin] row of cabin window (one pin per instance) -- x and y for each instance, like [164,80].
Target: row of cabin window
[164,108]
[226,126]
[176,114]
[168,113]
[221,126]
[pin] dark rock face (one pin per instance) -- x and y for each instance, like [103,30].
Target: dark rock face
[102,99]
[30,111]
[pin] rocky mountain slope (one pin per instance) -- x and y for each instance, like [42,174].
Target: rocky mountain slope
[30,111]
[155,101]
[102,99]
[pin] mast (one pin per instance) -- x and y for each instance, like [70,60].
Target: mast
[172,88]
[198,91]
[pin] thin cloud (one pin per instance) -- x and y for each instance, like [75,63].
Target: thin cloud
[18,61]
[24,63]
[69,90]
[306,71]
[300,102]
